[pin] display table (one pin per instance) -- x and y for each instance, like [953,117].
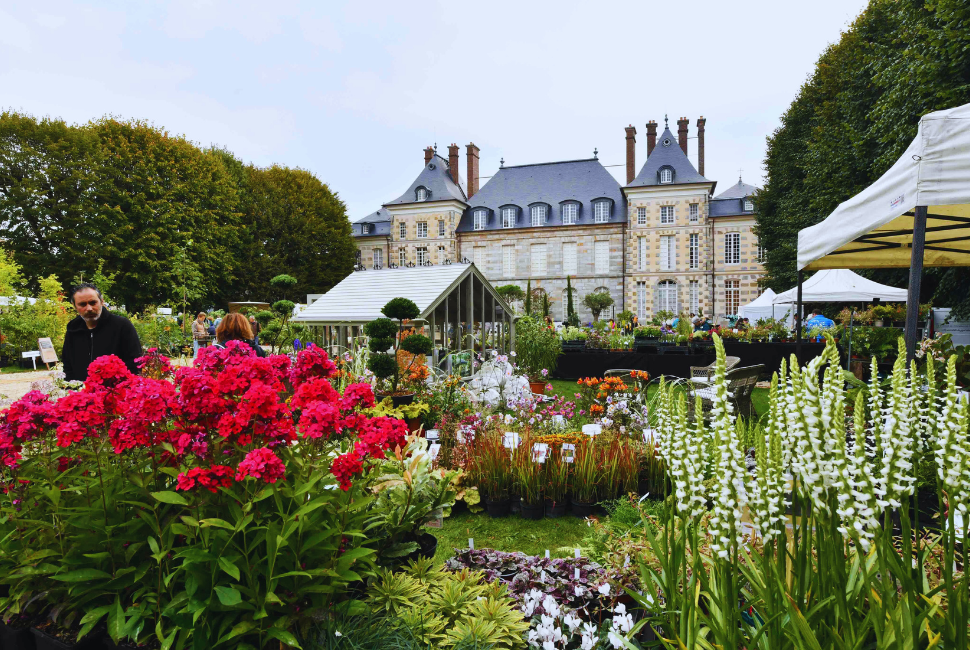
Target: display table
[595,363]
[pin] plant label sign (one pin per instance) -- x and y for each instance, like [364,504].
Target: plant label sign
[592,429]
[434,450]
[539,452]
[437,522]
[559,421]
[568,452]
[431,434]
[47,353]
[511,439]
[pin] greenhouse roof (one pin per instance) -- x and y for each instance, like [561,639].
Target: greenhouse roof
[360,296]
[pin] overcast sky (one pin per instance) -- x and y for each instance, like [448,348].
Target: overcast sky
[354,93]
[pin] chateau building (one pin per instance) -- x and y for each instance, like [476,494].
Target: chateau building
[663,241]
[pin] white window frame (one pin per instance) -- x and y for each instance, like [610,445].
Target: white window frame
[402,256]
[666,176]
[732,294]
[694,249]
[748,205]
[668,252]
[641,216]
[479,256]
[508,217]
[508,261]
[642,301]
[666,215]
[642,253]
[694,212]
[422,255]
[667,296]
[538,259]
[761,253]
[379,257]
[694,291]
[570,262]
[538,213]
[442,254]
[441,228]
[570,214]
[601,260]
[422,194]
[422,230]
[732,248]
[481,218]
[601,212]
[402,230]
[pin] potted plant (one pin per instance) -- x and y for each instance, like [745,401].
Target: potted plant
[585,479]
[385,335]
[648,332]
[529,479]
[491,463]
[556,482]
[537,348]
[880,313]
[573,339]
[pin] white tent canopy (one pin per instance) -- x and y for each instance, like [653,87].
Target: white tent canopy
[874,229]
[840,285]
[763,307]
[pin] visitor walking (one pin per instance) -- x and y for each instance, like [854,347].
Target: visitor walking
[200,333]
[255,327]
[96,332]
[235,327]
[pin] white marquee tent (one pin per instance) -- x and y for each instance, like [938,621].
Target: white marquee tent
[840,285]
[762,307]
[917,213]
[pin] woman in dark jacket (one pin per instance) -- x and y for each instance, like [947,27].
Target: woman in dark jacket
[235,327]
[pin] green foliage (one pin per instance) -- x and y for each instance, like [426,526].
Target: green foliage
[382,365]
[510,292]
[381,328]
[528,298]
[572,318]
[570,333]
[597,301]
[443,609]
[401,309]
[854,117]
[647,331]
[283,281]
[263,317]
[416,344]
[283,308]
[537,347]
[10,277]
[105,282]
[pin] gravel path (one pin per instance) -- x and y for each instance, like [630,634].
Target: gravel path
[16,385]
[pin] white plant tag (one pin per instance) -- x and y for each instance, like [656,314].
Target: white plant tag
[511,439]
[431,434]
[577,553]
[576,574]
[592,429]
[559,421]
[539,452]
[547,554]
[433,450]
[568,452]
[471,543]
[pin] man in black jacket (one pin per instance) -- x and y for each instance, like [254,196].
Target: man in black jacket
[96,332]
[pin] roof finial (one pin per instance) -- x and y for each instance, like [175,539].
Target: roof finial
[436,147]
[739,174]
[596,154]
[501,162]
[665,120]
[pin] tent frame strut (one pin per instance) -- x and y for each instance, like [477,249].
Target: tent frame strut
[915,280]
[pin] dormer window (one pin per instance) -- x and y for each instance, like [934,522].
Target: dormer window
[421,194]
[601,212]
[508,217]
[666,175]
[481,218]
[538,215]
[570,213]
[748,205]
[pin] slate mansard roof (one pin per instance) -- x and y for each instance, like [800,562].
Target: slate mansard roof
[435,178]
[378,223]
[667,153]
[579,181]
[730,202]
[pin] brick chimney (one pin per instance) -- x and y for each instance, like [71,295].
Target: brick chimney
[682,133]
[428,154]
[700,144]
[651,137]
[471,153]
[453,161]
[631,153]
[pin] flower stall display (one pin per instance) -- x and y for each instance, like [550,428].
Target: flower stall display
[395,356]
[497,381]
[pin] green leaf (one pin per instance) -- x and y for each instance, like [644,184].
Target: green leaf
[152,544]
[240,628]
[228,596]
[229,567]
[82,575]
[284,636]
[116,621]
[170,497]
[215,522]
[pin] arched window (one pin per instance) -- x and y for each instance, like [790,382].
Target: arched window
[667,296]
[421,194]
[666,175]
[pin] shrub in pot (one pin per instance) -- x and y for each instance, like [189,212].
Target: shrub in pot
[537,348]
[386,335]
[529,479]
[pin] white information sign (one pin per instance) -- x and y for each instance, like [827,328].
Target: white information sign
[592,429]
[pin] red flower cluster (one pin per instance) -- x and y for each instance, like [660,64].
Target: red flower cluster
[211,478]
[311,362]
[263,464]
[154,364]
[355,395]
[377,436]
[345,467]
[26,419]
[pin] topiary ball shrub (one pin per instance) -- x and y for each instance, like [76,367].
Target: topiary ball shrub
[379,344]
[264,317]
[284,307]
[382,328]
[416,344]
[401,309]
[382,365]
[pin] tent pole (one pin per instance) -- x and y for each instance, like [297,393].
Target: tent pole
[848,353]
[915,279]
[798,321]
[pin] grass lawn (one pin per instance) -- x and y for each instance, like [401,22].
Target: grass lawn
[11,370]
[568,388]
[511,533]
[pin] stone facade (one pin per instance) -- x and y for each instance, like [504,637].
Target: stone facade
[487,250]
[430,227]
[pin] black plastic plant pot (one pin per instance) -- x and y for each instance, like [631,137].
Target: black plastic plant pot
[583,510]
[530,511]
[15,638]
[555,510]
[498,508]
[44,641]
